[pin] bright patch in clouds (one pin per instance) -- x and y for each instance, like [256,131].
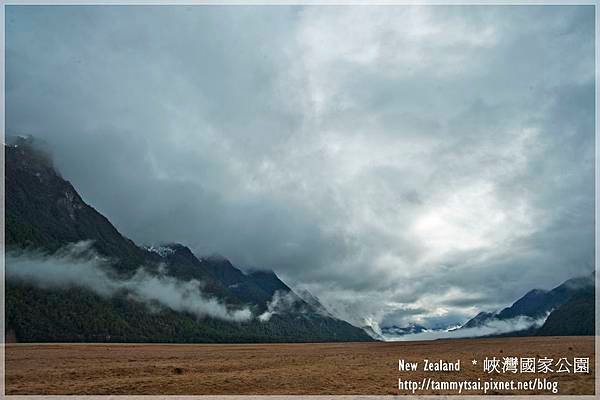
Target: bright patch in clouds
[471,218]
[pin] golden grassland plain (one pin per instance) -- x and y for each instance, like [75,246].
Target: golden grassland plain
[315,368]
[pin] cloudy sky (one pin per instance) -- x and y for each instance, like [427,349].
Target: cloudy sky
[405,164]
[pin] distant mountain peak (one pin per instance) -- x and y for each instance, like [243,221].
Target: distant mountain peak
[536,303]
[395,330]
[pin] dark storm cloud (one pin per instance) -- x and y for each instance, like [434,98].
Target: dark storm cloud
[389,159]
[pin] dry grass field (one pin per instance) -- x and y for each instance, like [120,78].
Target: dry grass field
[332,368]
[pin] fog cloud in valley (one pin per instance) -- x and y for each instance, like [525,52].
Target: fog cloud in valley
[78,265]
[280,303]
[404,164]
[490,328]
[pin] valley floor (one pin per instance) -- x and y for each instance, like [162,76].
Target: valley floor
[328,368]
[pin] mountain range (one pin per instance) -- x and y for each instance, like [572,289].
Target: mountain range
[567,309]
[395,330]
[45,215]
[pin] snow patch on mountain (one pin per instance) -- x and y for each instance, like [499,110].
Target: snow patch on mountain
[162,251]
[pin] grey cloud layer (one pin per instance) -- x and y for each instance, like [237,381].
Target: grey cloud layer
[389,159]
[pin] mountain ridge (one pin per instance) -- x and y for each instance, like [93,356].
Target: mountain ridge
[44,212]
[539,304]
